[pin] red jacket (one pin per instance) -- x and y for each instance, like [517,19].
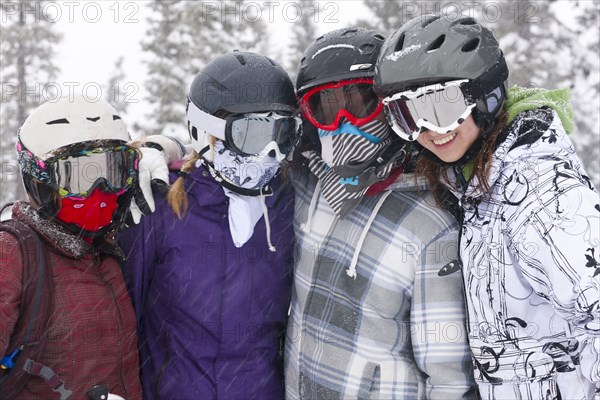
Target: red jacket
[91,337]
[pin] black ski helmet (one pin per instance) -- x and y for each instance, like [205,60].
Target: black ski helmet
[342,54]
[433,49]
[242,82]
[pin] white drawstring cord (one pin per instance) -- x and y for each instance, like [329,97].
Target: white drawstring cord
[352,270]
[307,226]
[267,224]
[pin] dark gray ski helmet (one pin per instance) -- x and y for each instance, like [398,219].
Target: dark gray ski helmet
[433,49]
[347,53]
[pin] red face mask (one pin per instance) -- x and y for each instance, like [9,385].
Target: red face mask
[91,213]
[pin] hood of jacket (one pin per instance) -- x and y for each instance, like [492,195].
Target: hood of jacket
[522,99]
[530,112]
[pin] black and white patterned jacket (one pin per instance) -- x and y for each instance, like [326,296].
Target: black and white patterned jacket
[531,265]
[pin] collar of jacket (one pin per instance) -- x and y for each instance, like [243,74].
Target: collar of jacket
[65,242]
[409,182]
[208,192]
[525,129]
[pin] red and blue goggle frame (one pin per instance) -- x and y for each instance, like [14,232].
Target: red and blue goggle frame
[354,99]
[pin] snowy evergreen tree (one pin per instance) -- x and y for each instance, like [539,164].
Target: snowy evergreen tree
[586,87]
[215,28]
[117,88]
[537,47]
[389,15]
[182,37]
[27,50]
[303,33]
[548,46]
[168,58]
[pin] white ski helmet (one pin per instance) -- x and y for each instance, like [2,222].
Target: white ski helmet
[70,120]
[57,135]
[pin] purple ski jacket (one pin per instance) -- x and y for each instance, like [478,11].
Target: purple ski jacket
[211,316]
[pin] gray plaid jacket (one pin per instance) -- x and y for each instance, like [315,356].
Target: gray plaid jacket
[396,330]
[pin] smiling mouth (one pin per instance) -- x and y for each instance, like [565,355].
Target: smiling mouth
[445,139]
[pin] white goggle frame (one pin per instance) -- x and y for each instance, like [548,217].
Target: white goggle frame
[428,101]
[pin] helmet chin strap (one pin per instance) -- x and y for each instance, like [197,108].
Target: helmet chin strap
[266,190]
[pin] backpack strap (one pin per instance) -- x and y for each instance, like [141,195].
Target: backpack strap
[27,339]
[47,374]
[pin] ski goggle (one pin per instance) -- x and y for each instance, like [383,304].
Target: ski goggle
[324,106]
[77,169]
[440,108]
[247,134]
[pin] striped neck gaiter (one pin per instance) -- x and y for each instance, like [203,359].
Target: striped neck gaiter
[345,165]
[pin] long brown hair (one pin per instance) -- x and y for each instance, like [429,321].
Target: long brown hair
[434,172]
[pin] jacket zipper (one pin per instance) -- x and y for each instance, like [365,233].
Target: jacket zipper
[461,218]
[112,292]
[461,222]
[461,180]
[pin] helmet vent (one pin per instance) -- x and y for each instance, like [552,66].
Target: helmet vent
[317,40]
[430,20]
[95,119]
[367,48]
[400,43]
[240,58]
[116,117]
[349,33]
[436,44]
[379,37]
[194,133]
[467,21]
[470,45]
[58,121]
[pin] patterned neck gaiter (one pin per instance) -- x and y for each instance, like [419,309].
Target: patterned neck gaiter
[346,165]
[248,172]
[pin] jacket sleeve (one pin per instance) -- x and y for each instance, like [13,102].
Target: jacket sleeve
[438,330]
[554,233]
[138,243]
[11,277]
